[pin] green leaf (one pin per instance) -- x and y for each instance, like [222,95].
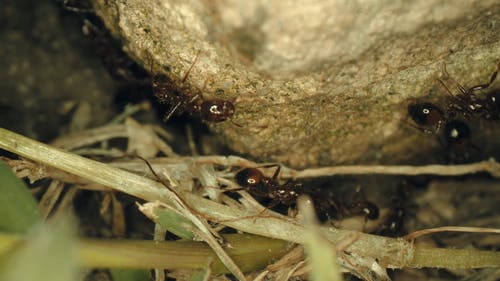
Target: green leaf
[173,222]
[18,208]
[48,254]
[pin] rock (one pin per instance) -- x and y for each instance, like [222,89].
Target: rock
[314,82]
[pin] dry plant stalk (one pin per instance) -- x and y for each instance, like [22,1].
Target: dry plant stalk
[389,252]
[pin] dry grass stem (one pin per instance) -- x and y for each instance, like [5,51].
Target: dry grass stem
[491,166]
[362,252]
[416,234]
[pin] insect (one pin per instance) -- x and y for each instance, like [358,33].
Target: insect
[361,206]
[427,116]
[492,105]
[394,223]
[457,141]
[469,104]
[254,181]
[181,98]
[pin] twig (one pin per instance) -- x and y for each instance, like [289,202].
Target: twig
[101,173]
[418,233]
[490,166]
[392,252]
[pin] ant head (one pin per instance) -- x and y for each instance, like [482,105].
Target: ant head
[249,177]
[456,131]
[216,110]
[425,114]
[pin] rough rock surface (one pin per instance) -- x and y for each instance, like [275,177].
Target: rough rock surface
[314,82]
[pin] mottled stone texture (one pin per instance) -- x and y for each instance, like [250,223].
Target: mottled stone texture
[315,82]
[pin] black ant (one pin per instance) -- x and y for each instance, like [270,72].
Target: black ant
[254,181]
[492,106]
[430,118]
[183,99]
[457,137]
[468,104]
[361,206]
[394,223]
[427,116]
[327,207]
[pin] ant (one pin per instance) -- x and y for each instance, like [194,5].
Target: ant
[492,106]
[327,207]
[394,223]
[361,206]
[427,116]
[183,99]
[430,118]
[254,181]
[467,103]
[457,137]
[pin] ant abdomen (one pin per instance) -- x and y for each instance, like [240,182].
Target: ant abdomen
[457,137]
[456,132]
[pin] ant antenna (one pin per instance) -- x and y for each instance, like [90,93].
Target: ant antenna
[492,79]
[191,67]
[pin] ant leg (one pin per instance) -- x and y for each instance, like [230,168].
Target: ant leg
[236,124]
[458,85]
[449,92]
[485,86]
[271,205]
[153,171]
[171,112]
[191,67]
[276,173]
[76,7]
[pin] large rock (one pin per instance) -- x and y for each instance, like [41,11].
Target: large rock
[314,82]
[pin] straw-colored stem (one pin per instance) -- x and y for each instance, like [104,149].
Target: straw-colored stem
[389,251]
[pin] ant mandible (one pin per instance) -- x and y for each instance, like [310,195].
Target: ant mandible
[254,181]
[181,98]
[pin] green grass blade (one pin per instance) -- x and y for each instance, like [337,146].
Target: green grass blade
[49,254]
[18,208]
